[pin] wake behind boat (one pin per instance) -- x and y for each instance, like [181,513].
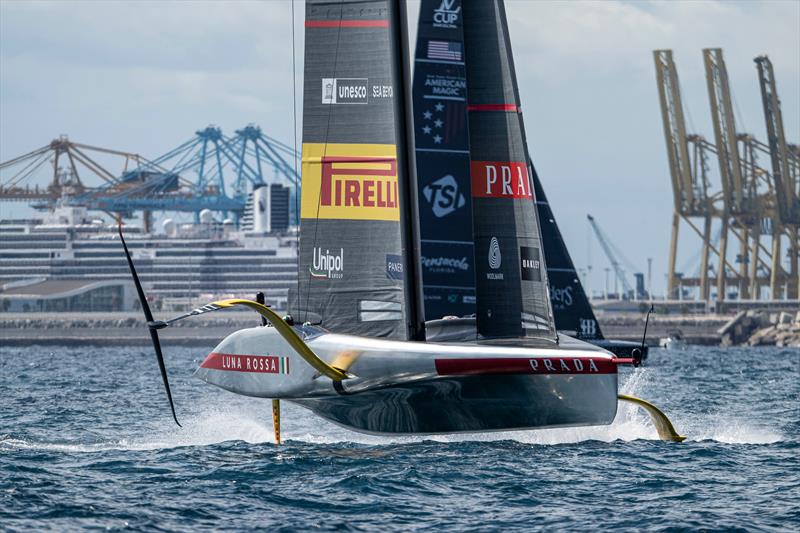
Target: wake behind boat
[364,356]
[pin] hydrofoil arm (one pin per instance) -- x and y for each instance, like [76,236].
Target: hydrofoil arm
[285,330]
[666,431]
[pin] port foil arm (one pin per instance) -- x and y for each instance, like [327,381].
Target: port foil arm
[284,330]
[666,431]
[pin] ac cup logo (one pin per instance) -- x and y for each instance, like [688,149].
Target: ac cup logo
[446,15]
[443,196]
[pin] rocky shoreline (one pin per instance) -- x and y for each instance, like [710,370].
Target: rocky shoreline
[753,328]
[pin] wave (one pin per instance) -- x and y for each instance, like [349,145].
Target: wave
[249,421]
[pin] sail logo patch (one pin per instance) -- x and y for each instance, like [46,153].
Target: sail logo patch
[446,50]
[344,90]
[445,264]
[530,263]
[560,296]
[495,259]
[443,196]
[446,15]
[588,328]
[394,266]
[350,182]
[500,179]
[261,364]
[352,91]
[326,265]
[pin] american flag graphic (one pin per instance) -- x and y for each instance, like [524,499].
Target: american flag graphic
[444,50]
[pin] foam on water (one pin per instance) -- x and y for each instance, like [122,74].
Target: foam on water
[243,420]
[631,423]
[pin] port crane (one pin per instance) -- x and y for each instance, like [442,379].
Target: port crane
[208,171]
[750,208]
[744,204]
[688,155]
[612,253]
[785,159]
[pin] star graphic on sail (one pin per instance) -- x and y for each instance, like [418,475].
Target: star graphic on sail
[441,125]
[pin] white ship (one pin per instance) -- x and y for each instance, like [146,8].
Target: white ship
[68,261]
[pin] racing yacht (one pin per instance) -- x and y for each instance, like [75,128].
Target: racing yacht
[355,348]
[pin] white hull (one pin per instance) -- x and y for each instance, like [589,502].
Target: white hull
[416,387]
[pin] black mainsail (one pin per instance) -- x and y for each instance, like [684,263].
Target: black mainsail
[356,216]
[511,276]
[571,308]
[443,164]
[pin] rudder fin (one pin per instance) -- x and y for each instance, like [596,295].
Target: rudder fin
[666,431]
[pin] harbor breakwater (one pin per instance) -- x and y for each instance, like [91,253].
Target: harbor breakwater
[130,329]
[753,328]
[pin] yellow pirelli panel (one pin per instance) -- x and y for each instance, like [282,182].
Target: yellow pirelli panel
[349,182]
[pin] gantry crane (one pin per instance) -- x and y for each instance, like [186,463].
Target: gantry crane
[608,249]
[785,164]
[688,162]
[209,171]
[749,192]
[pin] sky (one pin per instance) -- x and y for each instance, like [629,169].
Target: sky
[143,76]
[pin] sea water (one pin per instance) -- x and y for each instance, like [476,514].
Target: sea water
[86,440]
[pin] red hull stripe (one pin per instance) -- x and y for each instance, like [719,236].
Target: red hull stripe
[513,108]
[261,364]
[513,365]
[347,24]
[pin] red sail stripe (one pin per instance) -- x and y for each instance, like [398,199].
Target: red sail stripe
[347,24]
[493,107]
[514,365]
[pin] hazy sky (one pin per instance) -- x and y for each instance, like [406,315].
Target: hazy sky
[143,76]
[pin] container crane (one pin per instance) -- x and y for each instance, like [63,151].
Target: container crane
[209,171]
[785,163]
[608,248]
[688,156]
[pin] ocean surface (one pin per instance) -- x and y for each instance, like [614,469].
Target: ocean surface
[86,441]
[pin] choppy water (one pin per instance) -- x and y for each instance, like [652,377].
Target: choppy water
[86,441]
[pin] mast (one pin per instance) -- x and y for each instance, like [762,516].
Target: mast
[409,206]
